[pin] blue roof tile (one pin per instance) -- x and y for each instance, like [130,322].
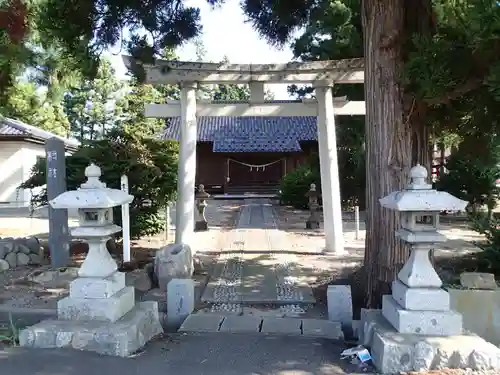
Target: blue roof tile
[250,134]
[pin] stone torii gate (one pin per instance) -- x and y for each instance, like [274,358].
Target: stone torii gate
[321,74]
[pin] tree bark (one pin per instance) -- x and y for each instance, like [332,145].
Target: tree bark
[397,136]
[388,139]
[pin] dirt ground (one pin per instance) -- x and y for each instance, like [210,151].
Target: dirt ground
[24,287]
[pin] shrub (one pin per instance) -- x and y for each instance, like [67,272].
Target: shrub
[295,185]
[472,172]
[151,167]
[489,257]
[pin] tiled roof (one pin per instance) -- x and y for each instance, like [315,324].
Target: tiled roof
[17,129]
[250,134]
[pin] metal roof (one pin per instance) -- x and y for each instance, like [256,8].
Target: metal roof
[250,134]
[17,129]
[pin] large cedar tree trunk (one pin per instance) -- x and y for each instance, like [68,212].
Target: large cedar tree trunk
[394,123]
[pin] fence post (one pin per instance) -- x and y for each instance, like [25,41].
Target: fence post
[167,221]
[125,222]
[356,220]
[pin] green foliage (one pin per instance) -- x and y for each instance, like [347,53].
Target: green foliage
[473,170]
[151,167]
[85,28]
[489,257]
[94,106]
[341,22]
[9,332]
[24,103]
[295,185]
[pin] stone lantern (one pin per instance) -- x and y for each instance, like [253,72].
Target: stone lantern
[313,220]
[418,305]
[201,204]
[100,313]
[423,332]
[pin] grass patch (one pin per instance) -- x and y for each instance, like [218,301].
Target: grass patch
[9,333]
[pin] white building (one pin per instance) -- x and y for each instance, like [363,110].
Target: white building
[20,147]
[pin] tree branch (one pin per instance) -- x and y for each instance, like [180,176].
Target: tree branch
[482,62]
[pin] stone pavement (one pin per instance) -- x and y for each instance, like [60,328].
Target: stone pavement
[191,354]
[254,266]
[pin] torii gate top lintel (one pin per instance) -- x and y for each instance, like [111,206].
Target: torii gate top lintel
[173,72]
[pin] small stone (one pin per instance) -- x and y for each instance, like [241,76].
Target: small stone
[11,258]
[140,279]
[4,265]
[35,259]
[33,244]
[3,249]
[478,280]
[22,248]
[23,259]
[6,247]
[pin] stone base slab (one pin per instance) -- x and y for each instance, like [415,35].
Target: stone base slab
[106,309]
[431,299]
[395,352]
[202,323]
[321,328]
[435,323]
[283,326]
[91,287]
[122,338]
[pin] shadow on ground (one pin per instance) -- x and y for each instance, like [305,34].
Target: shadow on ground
[192,354]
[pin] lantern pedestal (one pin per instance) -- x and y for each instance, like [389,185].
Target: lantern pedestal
[100,314]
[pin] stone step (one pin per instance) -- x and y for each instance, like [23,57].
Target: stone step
[319,328]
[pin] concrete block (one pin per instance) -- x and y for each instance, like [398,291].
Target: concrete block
[121,338]
[180,301]
[395,352]
[322,328]
[339,299]
[240,324]
[105,309]
[202,323]
[436,323]
[91,287]
[480,311]
[287,326]
[366,329]
[174,261]
[478,280]
[432,299]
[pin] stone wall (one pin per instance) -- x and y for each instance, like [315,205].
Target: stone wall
[19,251]
[480,311]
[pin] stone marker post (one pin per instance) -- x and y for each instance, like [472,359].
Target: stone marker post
[201,204]
[313,220]
[100,313]
[58,218]
[180,301]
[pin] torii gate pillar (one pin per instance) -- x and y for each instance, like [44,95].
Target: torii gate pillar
[184,215]
[329,168]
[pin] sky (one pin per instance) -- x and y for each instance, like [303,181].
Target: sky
[225,33]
